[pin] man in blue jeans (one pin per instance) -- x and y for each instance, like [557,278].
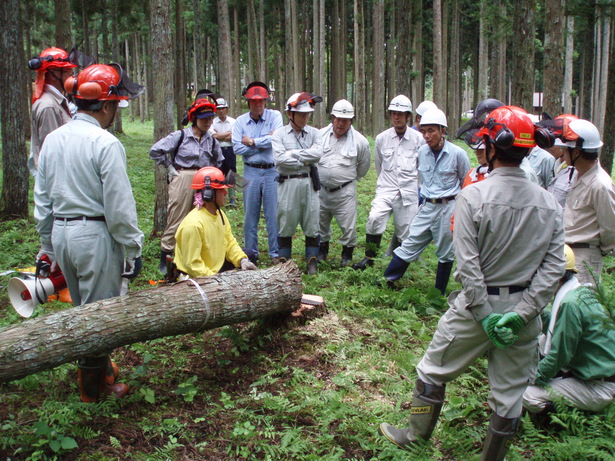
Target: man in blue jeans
[252,140]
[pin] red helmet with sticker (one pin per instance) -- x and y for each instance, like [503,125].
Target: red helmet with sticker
[509,126]
[209,176]
[102,82]
[201,108]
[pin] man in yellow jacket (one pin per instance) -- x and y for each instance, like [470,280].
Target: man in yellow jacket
[205,243]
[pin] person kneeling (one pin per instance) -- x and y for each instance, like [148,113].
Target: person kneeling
[205,243]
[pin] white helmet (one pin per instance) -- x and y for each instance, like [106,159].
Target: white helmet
[342,109]
[424,107]
[221,103]
[401,103]
[590,136]
[434,117]
[302,102]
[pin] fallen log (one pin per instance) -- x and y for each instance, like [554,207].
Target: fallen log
[185,307]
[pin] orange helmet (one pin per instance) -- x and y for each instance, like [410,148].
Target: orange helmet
[51,58]
[201,108]
[211,177]
[509,126]
[101,82]
[256,90]
[559,127]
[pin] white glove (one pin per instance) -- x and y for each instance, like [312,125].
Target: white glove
[247,265]
[171,173]
[47,249]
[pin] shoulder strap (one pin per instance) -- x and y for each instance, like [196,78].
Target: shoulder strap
[179,143]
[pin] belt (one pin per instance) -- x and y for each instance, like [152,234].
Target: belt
[295,176]
[440,200]
[180,168]
[335,189]
[262,166]
[495,291]
[581,245]
[80,218]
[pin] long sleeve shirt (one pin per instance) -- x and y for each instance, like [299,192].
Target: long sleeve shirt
[204,242]
[293,152]
[542,162]
[82,172]
[589,216]
[444,176]
[396,164]
[508,232]
[581,343]
[261,132]
[344,159]
[192,152]
[225,126]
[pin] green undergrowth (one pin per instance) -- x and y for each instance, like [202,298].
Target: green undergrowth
[271,389]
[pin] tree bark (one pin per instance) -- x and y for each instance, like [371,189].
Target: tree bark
[161,47]
[418,80]
[454,74]
[378,101]
[482,73]
[13,115]
[553,70]
[438,70]
[359,67]
[523,54]
[225,52]
[63,30]
[404,52]
[568,65]
[181,308]
[587,39]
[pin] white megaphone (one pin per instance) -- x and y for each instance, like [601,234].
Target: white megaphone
[26,294]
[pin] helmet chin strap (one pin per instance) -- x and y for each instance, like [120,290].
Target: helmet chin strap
[488,149]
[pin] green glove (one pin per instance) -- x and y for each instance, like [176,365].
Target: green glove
[508,327]
[489,324]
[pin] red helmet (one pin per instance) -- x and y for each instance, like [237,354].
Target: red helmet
[102,82]
[51,58]
[509,126]
[201,108]
[256,90]
[209,176]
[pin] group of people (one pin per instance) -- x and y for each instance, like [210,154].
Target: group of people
[508,232]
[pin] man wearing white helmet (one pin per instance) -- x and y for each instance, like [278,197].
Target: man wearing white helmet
[346,159]
[223,132]
[297,148]
[589,216]
[420,111]
[397,185]
[443,168]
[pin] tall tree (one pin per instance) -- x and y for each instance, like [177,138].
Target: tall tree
[439,97]
[360,99]
[13,115]
[482,73]
[378,99]
[418,67]
[606,155]
[162,47]
[553,71]
[225,53]
[454,74]
[404,51]
[522,72]
[180,62]
[63,36]
[568,64]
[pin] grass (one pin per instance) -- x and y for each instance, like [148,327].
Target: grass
[250,391]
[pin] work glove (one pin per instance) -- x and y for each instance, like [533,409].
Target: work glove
[508,328]
[488,324]
[171,173]
[132,268]
[47,250]
[247,265]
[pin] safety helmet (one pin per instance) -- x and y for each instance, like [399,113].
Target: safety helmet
[570,259]
[102,82]
[509,126]
[434,117]
[51,58]
[400,103]
[479,115]
[424,107]
[559,127]
[256,90]
[201,108]
[221,103]
[342,109]
[588,136]
[211,177]
[302,102]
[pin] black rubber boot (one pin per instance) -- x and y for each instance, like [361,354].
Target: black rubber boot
[500,431]
[395,270]
[285,248]
[323,251]
[424,412]
[346,256]
[163,261]
[442,275]
[312,248]
[372,244]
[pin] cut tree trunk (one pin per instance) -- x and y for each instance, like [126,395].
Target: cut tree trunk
[185,307]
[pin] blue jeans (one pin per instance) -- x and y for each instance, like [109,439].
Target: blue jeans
[262,188]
